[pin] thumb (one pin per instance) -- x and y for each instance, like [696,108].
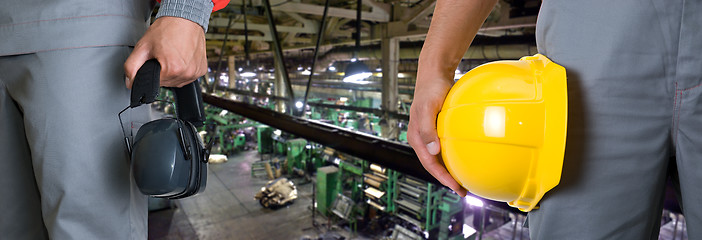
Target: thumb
[434,147]
[426,127]
[135,60]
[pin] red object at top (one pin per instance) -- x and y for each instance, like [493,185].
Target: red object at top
[218,4]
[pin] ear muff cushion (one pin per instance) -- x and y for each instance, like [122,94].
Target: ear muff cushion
[198,173]
[158,164]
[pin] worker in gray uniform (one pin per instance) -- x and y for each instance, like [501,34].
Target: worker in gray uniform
[64,170]
[634,72]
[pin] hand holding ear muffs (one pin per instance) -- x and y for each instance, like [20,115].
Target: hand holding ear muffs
[168,158]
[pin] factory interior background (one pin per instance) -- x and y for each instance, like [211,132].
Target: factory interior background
[307,109]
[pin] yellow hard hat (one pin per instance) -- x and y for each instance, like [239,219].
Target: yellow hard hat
[503,130]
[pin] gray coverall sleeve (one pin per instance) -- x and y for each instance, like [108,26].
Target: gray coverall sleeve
[197,11]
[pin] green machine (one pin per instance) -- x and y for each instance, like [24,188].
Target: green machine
[350,177]
[350,187]
[431,208]
[380,188]
[445,214]
[327,178]
[315,115]
[279,145]
[363,102]
[297,155]
[224,128]
[403,136]
[265,142]
[230,141]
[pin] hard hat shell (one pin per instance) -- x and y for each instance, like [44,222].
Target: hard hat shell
[503,128]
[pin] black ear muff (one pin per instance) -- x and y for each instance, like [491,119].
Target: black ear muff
[168,158]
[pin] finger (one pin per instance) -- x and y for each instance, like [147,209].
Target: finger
[178,73]
[433,148]
[459,189]
[423,120]
[433,165]
[135,60]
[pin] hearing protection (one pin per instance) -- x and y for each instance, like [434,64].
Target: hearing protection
[168,158]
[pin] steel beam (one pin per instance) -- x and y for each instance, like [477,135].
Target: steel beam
[278,54]
[393,155]
[320,35]
[389,154]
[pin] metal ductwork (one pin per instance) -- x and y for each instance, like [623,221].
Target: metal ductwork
[482,52]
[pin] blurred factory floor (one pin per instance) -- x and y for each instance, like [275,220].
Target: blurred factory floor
[227,209]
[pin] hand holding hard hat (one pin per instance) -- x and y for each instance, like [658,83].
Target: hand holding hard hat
[502,129]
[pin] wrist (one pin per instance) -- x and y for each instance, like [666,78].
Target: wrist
[197,11]
[441,68]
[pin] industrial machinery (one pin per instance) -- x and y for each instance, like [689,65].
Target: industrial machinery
[297,155]
[279,139]
[430,208]
[228,131]
[350,191]
[265,141]
[355,191]
[326,191]
[380,188]
[401,233]
[277,193]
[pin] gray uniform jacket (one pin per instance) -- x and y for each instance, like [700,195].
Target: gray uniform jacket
[61,87]
[28,26]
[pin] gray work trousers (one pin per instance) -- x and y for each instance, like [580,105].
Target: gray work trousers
[64,172]
[634,75]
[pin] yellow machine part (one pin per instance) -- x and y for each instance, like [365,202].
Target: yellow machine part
[503,129]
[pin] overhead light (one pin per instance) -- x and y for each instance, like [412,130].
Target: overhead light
[298,104]
[248,74]
[306,72]
[248,71]
[224,77]
[356,72]
[474,201]
[332,68]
